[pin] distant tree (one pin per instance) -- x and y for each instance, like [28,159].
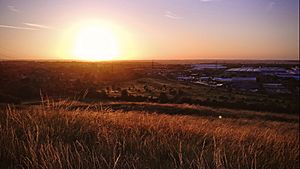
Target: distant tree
[124,93]
[133,87]
[89,93]
[172,91]
[103,94]
[113,87]
[181,92]
[164,87]
[145,87]
[163,98]
[223,97]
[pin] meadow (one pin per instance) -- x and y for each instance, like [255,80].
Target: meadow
[75,135]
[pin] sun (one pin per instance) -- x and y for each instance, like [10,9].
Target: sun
[96,42]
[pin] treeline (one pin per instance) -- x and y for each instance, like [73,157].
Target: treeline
[83,92]
[171,96]
[21,81]
[174,96]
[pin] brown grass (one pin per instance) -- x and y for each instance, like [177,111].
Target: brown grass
[53,137]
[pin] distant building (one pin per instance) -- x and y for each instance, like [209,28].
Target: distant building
[221,79]
[289,76]
[235,79]
[273,71]
[244,69]
[208,66]
[293,73]
[240,79]
[185,78]
[263,70]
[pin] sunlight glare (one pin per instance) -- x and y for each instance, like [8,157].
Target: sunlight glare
[96,42]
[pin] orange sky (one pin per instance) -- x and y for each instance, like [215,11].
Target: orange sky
[172,29]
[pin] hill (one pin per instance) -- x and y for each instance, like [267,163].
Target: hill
[115,135]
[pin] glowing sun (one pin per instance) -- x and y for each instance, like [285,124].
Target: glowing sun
[96,43]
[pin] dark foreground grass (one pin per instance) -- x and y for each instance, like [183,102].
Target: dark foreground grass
[52,137]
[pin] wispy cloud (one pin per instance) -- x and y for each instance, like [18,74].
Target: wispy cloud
[37,25]
[28,26]
[13,8]
[172,15]
[17,27]
[270,6]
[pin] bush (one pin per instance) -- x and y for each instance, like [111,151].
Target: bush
[124,94]
[163,98]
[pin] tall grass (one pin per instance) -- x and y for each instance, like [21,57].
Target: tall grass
[52,137]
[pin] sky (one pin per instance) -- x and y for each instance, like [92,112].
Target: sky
[151,29]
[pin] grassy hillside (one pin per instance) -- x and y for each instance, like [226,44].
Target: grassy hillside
[67,136]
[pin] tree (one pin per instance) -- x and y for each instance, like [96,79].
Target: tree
[163,98]
[124,93]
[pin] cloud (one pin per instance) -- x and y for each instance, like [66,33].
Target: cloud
[29,26]
[172,15]
[17,27]
[13,8]
[37,26]
[270,6]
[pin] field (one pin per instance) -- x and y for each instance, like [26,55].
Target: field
[79,135]
[25,81]
[136,115]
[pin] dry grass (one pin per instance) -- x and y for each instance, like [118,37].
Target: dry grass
[53,137]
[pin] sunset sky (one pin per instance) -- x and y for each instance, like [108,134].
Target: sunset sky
[149,29]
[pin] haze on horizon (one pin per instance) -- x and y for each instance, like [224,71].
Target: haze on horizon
[149,29]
